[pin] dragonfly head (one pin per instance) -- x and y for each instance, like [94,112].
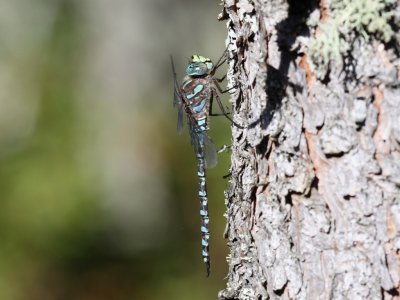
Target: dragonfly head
[199,65]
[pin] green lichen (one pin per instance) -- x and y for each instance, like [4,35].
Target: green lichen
[350,20]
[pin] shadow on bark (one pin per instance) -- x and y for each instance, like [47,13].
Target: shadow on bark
[277,81]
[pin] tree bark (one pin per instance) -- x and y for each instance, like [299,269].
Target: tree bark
[313,206]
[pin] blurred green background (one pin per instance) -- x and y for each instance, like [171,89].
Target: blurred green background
[98,196]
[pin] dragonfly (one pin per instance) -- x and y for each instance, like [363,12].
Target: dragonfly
[195,97]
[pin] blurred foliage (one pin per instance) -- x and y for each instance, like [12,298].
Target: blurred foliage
[64,233]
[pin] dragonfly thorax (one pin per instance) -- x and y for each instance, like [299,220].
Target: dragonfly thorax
[199,66]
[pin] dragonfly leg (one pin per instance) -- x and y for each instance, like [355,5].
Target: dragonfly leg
[227,175]
[224,148]
[221,79]
[211,107]
[214,92]
[215,82]
[220,64]
[220,61]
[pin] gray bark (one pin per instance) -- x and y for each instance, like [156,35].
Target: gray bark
[313,206]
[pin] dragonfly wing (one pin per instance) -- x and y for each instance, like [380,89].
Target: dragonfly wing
[176,94]
[194,136]
[210,153]
[177,99]
[179,126]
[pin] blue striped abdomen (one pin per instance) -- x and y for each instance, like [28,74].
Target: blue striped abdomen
[201,173]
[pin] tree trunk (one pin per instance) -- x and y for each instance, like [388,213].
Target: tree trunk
[313,206]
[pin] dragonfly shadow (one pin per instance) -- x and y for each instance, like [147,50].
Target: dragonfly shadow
[276,85]
[277,81]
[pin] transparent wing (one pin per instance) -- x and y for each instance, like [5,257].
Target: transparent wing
[179,125]
[179,106]
[177,100]
[203,145]
[211,155]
